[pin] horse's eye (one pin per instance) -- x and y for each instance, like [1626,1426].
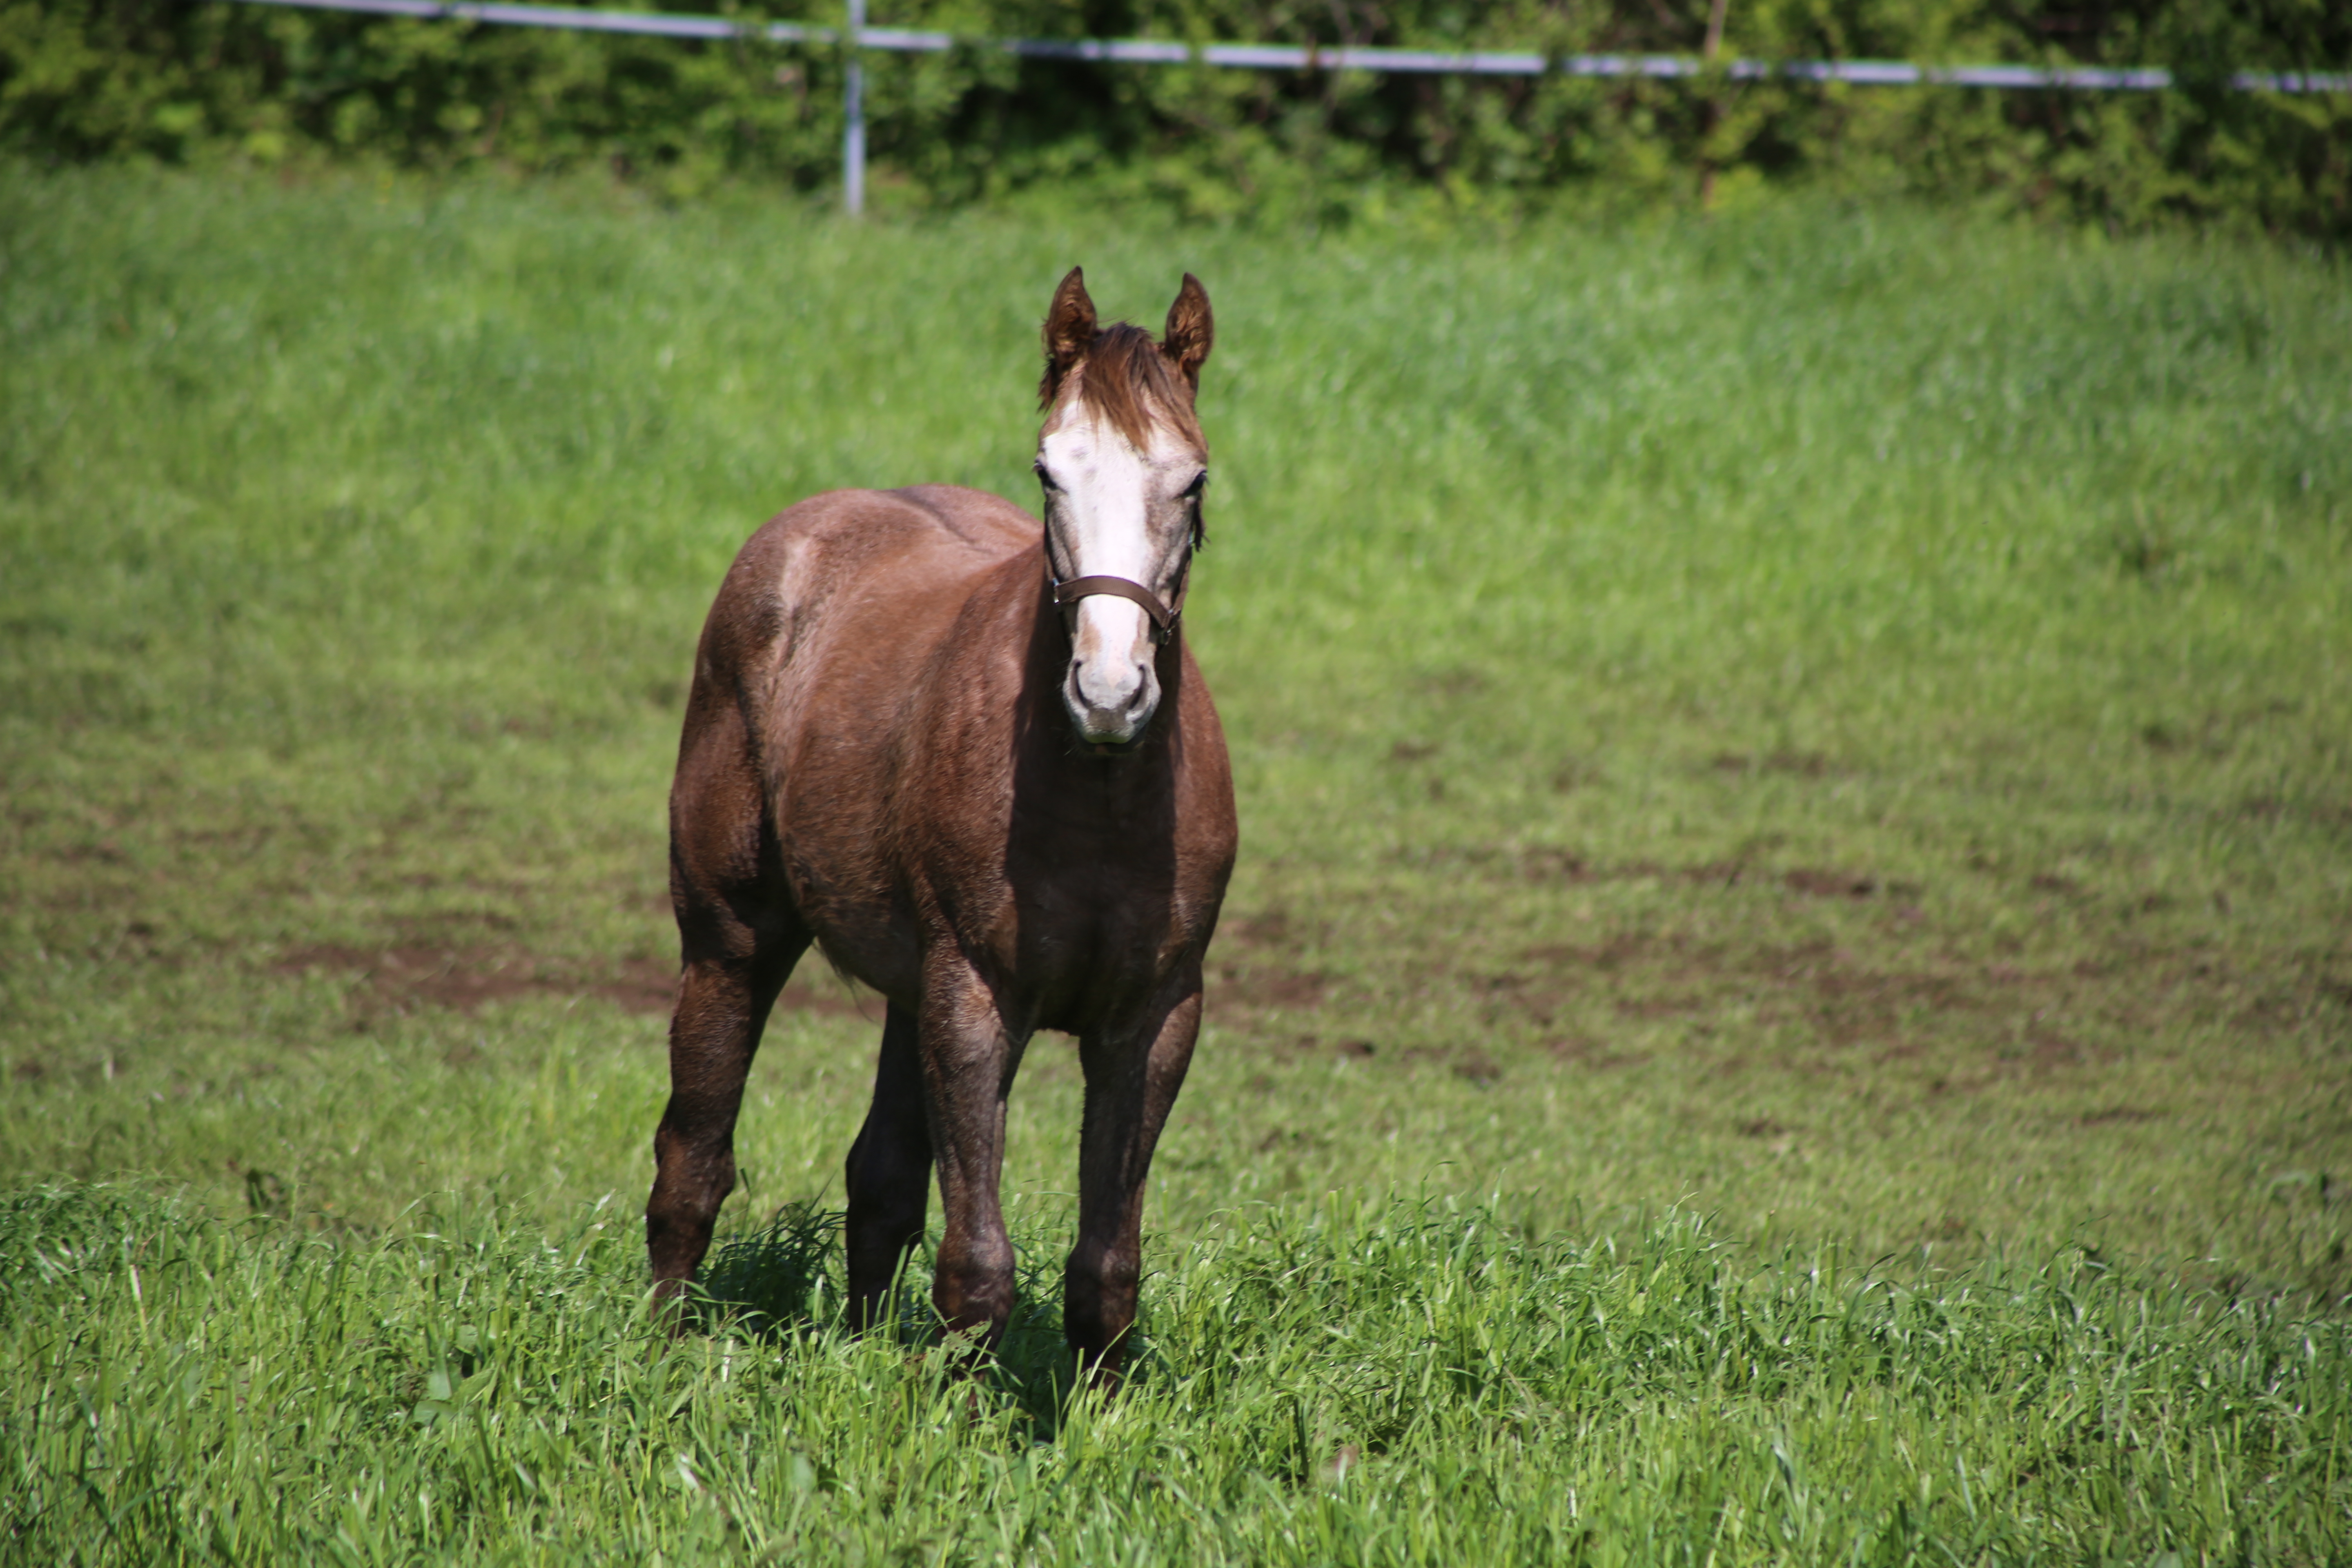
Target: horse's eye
[1044,477]
[1199,483]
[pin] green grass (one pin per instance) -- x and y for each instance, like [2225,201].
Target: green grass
[1399,1385]
[1789,995]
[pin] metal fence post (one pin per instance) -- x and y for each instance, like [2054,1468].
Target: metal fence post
[853,129]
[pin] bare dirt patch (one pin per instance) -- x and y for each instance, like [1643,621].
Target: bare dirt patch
[1834,994]
[1258,969]
[1510,994]
[1604,956]
[1476,1066]
[1556,865]
[1266,928]
[2118,1113]
[1658,1006]
[403,979]
[1801,764]
[1248,990]
[1585,1051]
[1467,1063]
[1822,884]
[1302,1047]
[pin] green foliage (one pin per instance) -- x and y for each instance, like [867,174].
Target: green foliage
[87,79]
[180,82]
[1833,719]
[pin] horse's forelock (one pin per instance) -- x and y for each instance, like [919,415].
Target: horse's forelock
[1127,380]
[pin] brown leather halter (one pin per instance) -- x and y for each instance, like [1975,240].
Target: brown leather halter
[1068,592]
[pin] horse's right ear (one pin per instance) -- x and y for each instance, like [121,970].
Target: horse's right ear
[1069,332]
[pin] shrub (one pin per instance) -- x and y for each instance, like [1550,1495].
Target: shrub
[82,79]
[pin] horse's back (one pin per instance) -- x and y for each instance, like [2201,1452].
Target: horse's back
[862,580]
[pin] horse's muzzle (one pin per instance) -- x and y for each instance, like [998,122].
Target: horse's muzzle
[1110,705]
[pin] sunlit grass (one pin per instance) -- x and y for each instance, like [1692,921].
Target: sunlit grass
[1407,1383]
[1831,722]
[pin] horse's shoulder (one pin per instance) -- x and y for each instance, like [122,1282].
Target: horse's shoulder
[985,523]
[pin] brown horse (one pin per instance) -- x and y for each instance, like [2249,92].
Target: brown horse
[970,756]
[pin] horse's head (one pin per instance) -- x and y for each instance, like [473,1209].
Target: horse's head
[1123,465]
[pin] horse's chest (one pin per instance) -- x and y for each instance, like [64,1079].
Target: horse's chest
[1093,903]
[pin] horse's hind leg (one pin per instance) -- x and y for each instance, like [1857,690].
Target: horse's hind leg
[722,1009]
[889,1171]
[740,936]
[1132,1078]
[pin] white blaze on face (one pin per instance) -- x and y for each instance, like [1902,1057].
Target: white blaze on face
[1102,527]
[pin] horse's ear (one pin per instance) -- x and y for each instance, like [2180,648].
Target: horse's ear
[1191,330]
[1069,332]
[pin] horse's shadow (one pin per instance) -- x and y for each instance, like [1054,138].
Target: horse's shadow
[775,1284]
[785,1282]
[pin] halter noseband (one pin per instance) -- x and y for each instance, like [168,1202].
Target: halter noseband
[1068,592]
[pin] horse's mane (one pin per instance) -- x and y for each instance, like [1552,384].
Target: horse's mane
[1127,380]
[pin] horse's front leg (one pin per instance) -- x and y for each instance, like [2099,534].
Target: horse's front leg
[1132,1076]
[968,1056]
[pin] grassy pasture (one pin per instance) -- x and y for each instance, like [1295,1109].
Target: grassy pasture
[1788,996]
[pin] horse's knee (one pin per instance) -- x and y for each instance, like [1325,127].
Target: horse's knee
[691,1171]
[1098,1301]
[881,1179]
[973,1292]
[889,1194]
[854,1185]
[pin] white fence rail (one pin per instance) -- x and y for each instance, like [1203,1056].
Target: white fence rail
[1285,56]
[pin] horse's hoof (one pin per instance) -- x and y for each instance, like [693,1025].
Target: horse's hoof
[670,1305]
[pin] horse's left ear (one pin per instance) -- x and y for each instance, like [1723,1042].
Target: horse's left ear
[1191,330]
